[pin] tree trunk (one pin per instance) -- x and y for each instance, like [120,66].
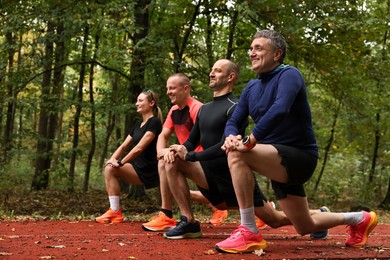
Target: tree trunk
[42,163]
[111,120]
[180,48]
[76,120]
[376,148]
[232,28]
[328,146]
[137,69]
[93,120]
[55,121]
[10,114]
[209,36]
[385,204]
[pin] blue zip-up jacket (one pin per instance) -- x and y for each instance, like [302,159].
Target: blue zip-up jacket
[277,102]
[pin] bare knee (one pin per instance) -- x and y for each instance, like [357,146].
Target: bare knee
[109,172]
[234,157]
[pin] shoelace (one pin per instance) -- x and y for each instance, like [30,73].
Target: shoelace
[181,224]
[237,233]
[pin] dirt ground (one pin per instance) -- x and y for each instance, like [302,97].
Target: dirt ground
[91,240]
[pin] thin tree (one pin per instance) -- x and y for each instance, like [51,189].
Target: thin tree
[76,120]
[93,119]
[42,163]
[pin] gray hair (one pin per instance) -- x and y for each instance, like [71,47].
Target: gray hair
[276,40]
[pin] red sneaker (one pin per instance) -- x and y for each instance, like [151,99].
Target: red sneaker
[160,223]
[358,234]
[218,217]
[242,240]
[110,217]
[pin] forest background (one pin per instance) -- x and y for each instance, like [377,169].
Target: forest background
[70,72]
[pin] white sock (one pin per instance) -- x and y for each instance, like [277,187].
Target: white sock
[353,218]
[114,203]
[248,219]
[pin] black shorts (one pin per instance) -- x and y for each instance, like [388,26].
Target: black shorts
[148,175]
[300,166]
[221,185]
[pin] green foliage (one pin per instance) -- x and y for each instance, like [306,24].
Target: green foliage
[341,48]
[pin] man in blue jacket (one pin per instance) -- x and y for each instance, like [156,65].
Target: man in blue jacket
[281,147]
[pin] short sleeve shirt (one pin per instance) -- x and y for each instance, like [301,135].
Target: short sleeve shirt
[147,160]
[182,120]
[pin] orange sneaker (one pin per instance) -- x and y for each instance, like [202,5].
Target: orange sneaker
[160,223]
[110,217]
[259,223]
[218,217]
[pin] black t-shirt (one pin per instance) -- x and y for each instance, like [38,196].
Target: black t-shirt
[147,160]
[209,127]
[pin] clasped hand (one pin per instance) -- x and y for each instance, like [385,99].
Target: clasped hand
[169,154]
[233,143]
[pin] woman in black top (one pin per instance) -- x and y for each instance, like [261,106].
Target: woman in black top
[139,165]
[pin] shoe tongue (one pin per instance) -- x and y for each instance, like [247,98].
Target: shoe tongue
[183,218]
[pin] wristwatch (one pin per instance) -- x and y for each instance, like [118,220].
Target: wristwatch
[247,142]
[120,163]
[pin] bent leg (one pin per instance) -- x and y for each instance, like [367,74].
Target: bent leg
[305,221]
[176,173]
[165,192]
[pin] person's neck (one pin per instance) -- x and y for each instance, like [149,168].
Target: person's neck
[146,116]
[223,91]
[273,67]
[184,103]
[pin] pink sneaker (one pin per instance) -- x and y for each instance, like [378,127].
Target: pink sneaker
[242,240]
[358,234]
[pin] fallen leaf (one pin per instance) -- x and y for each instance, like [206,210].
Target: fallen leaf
[259,252]
[59,246]
[209,252]
[5,253]
[122,244]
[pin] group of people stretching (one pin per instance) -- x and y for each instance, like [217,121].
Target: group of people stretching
[214,152]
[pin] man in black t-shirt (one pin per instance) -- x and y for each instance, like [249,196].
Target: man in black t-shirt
[208,168]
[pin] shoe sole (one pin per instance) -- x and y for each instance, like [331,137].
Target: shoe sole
[187,235]
[244,249]
[371,226]
[108,221]
[166,228]
[103,221]
[262,227]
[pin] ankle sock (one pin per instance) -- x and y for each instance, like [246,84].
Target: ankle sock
[167,213]
[114,203]
[353,218]
[248,219]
